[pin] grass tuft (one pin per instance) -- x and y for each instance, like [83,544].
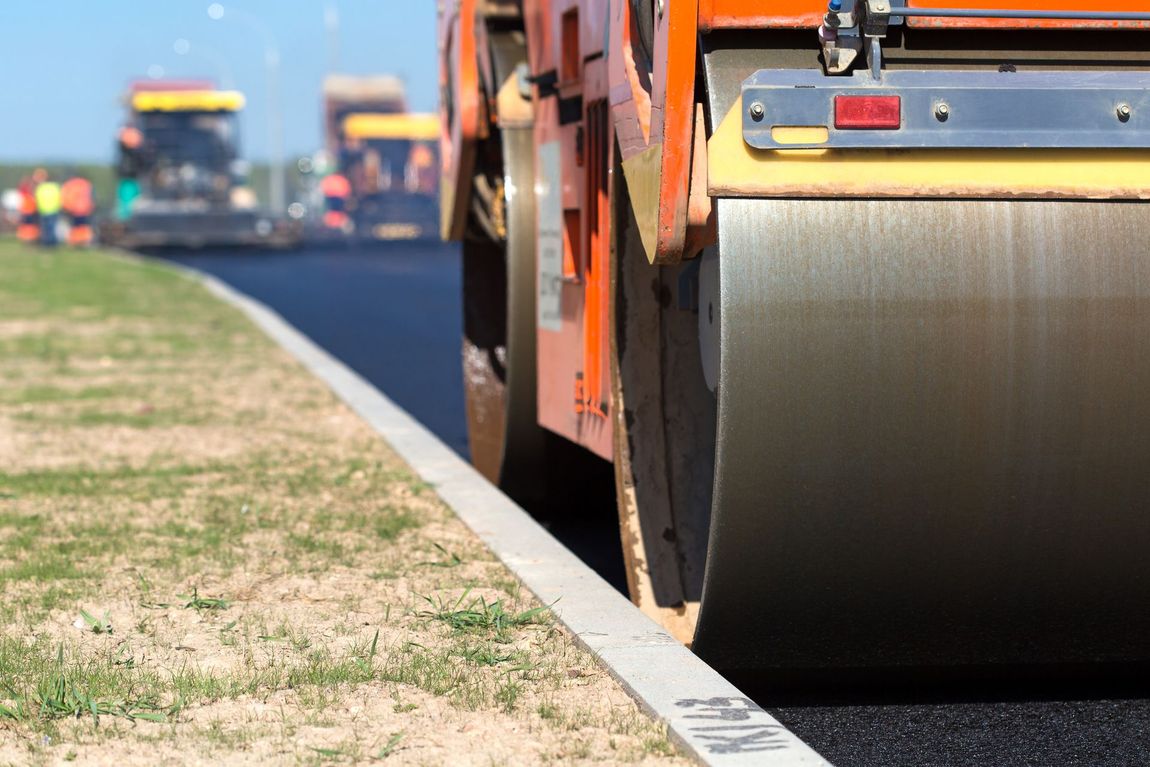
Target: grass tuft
[450,559]
[97,625]
[59,685]
[481,615]
[390,747]
[195,602]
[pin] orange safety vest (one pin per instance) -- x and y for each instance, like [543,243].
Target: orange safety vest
[76,197]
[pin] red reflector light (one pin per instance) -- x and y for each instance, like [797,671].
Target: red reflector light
[873,112]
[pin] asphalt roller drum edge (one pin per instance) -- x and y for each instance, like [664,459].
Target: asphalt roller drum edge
[933,441]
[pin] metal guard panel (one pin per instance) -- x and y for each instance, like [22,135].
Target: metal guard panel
[1072,110]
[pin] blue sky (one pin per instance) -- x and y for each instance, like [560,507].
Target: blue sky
[64,64]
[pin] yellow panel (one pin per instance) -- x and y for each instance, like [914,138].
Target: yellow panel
[368,125]
[188,101]
[737,170]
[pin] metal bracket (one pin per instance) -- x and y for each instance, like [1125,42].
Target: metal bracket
[848,23]
[852,27]
[839,38]
[876,18]
[874,57]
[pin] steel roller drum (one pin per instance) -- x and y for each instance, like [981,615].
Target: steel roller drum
[934,435]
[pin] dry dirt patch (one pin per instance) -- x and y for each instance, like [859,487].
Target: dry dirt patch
[207,559]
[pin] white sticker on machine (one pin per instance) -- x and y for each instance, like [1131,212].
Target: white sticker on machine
[549,204]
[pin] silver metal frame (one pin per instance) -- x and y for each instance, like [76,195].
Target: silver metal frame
[952,109]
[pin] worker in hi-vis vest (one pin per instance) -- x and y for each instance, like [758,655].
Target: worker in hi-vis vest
[76,200]
[336,191]
[28,230]
[48,206]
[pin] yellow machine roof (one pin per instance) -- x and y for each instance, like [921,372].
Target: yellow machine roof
[188,101]
[367,125]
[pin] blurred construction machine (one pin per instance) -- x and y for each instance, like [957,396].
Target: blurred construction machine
[181,179]
[384,183]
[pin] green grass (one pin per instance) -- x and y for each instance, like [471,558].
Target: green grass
[101,625]
[40,394]
[42,684]
[42,567]
[390,747]
[144,418]
[166,481]
[194,601]
[70,284]
[18,532]
[487,655]
[296,638]
[35,548]
[316,547]
[478,615]
[447,558]
[162,575]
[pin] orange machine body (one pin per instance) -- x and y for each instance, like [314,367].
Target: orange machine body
[601,104]
[749,14]
[592,101]
[572,129]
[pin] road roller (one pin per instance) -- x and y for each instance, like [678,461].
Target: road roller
[855,298]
